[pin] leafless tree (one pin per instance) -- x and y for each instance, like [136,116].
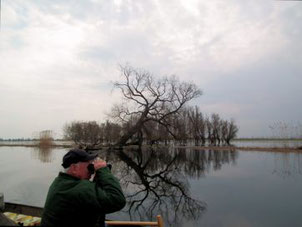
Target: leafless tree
[224,130]
[216,128]
[111,132]
[210,131]
[150,99]
[286,130]
[155,133]
[153,110]
[197,125]
[231,132]
[85,134]
[45,139]
[219,130]
[181,127]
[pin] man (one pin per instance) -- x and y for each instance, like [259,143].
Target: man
[74,200]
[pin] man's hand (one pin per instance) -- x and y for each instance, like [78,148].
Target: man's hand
[99,163]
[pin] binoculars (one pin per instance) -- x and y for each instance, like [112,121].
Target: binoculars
[91,169]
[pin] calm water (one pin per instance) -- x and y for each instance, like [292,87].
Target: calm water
[188,187]
[239,143]
[267,143]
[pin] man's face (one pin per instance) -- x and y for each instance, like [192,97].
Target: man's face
[80,170]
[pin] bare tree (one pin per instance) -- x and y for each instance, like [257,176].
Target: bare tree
[85,134]
[150,99]
[192,125]
[286,130]
[232,131]
[224,130]
[209,126]
[45,139]
[111,132]
[181,127]
[155,110]
[216,128]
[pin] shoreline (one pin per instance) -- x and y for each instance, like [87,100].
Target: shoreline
[221,148]
[36,145]
[264,149]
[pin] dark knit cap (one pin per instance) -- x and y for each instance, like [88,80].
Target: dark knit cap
[75,156]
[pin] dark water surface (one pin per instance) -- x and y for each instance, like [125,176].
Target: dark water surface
[187,187]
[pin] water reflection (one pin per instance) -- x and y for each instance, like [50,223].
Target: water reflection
[44,154]
[198,162]
[156,180]
[287,164]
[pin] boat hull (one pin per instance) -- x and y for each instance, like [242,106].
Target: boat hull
[23,209]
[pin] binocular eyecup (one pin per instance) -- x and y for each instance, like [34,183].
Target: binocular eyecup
[91,168]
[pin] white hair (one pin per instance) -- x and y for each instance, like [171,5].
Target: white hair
[65,170]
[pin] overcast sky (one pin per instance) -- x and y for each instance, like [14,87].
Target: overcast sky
[58,58]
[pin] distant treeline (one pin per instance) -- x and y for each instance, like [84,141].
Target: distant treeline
[286,130]
[25,139]
[17,139]
[190,124]
[267,139]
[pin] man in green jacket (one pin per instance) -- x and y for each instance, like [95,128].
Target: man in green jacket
[74,200]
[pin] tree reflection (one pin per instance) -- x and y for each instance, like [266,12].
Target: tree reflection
[287,164]
[156,180]
[44,154]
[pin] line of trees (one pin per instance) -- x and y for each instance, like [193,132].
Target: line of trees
[154,110]
[286,130]
[16,139]
[188,126]
[91,134]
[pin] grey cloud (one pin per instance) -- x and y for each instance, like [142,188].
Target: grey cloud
[245,55]
[266,93]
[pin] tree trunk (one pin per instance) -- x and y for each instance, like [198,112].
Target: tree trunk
[136,128]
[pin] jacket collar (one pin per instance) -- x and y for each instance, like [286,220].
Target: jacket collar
[68,176]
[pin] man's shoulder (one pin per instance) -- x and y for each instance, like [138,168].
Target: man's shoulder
[63,175]
[69,186]
[65,181]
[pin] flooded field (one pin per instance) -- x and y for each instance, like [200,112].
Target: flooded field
[187,187]
[29,143]
[239,143]
[267,143]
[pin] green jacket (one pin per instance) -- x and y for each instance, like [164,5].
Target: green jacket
[75,202]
